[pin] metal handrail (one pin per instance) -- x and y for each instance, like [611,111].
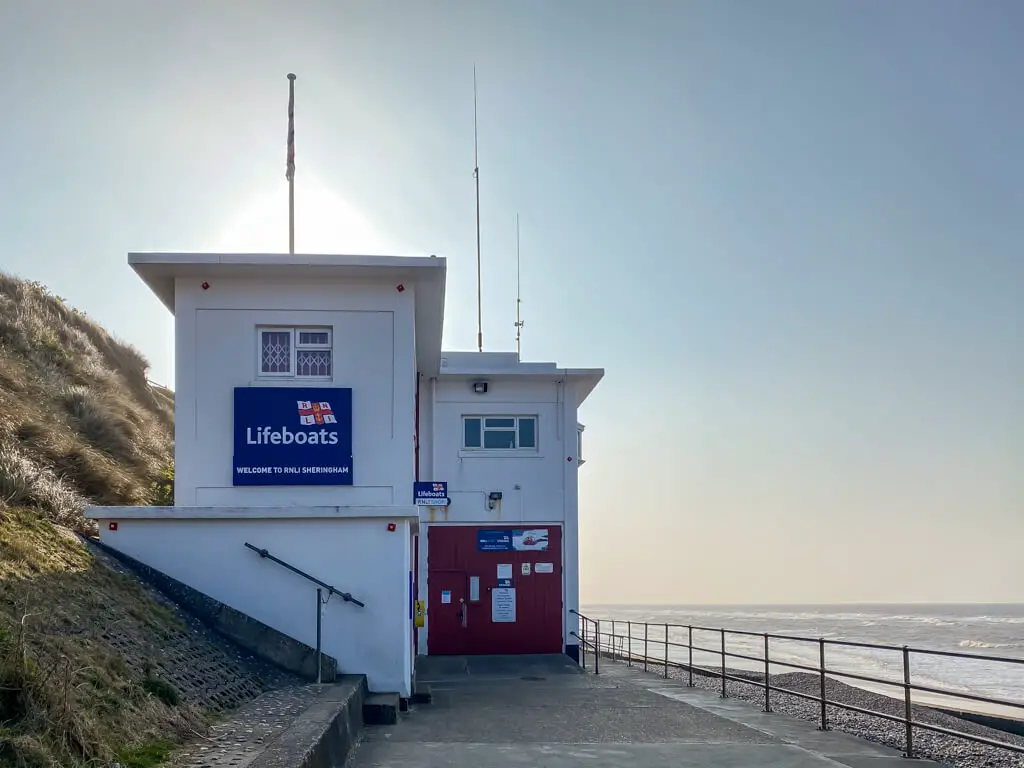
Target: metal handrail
[585,620]
[320,602]
[614,649]
[330,590]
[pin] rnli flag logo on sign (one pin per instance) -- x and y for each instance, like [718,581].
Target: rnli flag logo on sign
[315,413]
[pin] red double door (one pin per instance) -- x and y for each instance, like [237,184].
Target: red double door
[484,598]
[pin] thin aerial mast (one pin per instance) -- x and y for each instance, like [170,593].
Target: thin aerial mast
[476,175]
[519,300]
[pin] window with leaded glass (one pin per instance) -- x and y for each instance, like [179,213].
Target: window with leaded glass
[276,353]
[301,353]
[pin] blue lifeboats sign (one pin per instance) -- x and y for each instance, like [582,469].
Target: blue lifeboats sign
[293,436]
[430,494]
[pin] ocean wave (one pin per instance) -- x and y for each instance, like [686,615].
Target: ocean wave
[984,644]
[938,621]
[996,619]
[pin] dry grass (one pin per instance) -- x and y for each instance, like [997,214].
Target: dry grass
[67,697]
[79,421]
[79,424]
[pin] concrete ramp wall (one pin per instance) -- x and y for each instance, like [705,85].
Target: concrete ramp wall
[254,636]
[363,551]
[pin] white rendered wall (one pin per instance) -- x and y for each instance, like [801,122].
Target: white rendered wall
[216,351]
[472,474]
[547,480]
[359,556]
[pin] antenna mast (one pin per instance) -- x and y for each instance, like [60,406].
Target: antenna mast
[519,301]
[476,175]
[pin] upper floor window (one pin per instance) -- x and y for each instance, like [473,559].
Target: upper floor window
[302,353]
[499,433]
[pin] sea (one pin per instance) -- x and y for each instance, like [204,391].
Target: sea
[975,629]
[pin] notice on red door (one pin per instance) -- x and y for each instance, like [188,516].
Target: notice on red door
[503,605]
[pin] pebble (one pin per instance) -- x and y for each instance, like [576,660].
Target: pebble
[944,749]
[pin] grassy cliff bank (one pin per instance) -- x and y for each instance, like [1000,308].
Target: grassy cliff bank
[94,668]
[79,421]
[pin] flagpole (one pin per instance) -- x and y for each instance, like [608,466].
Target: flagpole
[290,172]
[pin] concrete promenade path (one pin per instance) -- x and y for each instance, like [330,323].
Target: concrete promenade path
[545,712]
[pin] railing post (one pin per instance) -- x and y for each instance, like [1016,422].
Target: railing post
[629,639]
[689,643]
[645,646]
[767,681]
[824,712]
[723,665]
[906,702]
[581,635]
[615,654]
[583,643]
[666,651]
[597,645]
[319,616]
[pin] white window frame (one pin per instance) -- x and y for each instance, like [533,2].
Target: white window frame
[294,347]
[534,450]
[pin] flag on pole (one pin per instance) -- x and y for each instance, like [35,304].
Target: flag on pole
[290,170]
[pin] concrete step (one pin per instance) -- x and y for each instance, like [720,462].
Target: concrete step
[307,726]
[381,709]
[421,694]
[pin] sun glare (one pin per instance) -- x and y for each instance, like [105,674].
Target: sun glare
[324,223]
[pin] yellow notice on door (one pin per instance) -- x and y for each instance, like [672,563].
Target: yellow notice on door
[419,613]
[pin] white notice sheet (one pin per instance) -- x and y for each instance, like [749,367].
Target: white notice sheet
[503,605]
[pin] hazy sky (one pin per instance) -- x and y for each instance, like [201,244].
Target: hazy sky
[790,231]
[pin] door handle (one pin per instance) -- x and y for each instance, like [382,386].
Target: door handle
[462,611]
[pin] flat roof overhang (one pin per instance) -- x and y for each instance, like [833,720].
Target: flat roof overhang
[584,379]
[427,273]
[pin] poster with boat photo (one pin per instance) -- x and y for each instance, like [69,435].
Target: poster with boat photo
[533,540]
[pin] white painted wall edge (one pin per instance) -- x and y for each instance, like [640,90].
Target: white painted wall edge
[403,512]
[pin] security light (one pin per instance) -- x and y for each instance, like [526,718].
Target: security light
[480,387]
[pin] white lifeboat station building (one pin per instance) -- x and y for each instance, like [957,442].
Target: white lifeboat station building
[321,431]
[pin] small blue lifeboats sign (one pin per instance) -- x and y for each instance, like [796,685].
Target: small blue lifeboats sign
[430,494]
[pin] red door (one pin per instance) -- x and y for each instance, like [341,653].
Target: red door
[447,610]
[494,590]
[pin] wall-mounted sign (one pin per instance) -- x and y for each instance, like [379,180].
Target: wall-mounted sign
[525,569]
[430,494]
[503,605]
[488,540]
[531,539]
[544,568]
[293,436]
